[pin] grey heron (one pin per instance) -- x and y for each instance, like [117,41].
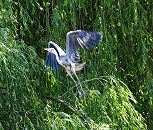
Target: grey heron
[56,57]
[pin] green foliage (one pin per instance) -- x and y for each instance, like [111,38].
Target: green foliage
[117,79]
[113,105]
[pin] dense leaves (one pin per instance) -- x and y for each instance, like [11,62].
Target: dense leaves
[117,79]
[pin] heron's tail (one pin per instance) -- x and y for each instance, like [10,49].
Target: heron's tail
[79,66]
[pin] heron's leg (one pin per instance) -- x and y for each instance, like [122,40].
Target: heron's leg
[79,86]
[71,76]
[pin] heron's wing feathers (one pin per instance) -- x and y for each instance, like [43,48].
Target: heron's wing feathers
[78,38]
[52,62]
[87,39]
[51,57]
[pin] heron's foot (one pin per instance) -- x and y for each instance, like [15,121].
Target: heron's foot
[81,93]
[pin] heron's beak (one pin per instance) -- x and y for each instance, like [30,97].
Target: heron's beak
[47,49]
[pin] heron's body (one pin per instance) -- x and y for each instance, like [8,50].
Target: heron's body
[63,60]
[70,59]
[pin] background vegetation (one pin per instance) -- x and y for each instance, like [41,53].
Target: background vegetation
[118,78]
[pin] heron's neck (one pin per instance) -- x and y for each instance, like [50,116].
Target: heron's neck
[57,57]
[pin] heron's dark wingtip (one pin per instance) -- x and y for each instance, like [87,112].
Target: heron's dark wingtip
[51,62]
[95,39]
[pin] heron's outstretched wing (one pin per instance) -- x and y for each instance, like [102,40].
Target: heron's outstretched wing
[78,38]
[52,62]
[51,57]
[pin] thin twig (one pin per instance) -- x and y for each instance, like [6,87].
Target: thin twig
[85,82]
[68,105]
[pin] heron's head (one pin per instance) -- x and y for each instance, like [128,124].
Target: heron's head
[50,50]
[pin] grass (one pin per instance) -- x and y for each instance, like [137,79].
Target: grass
[117,79]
